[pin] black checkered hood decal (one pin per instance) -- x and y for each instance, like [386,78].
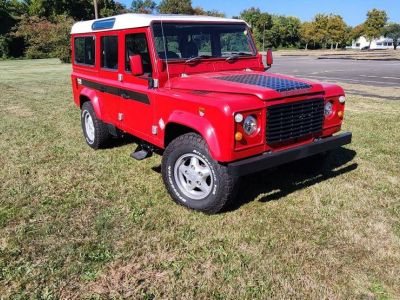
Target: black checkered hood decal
[275,83]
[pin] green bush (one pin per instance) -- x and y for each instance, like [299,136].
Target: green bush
[46,38]
[4,51]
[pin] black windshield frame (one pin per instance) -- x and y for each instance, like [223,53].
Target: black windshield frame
[182,28]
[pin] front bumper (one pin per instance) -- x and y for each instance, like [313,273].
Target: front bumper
[273,159]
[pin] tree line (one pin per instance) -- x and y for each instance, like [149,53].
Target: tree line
[40,28]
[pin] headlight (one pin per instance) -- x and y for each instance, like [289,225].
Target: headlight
[328,109]
[342,99]
[250,125]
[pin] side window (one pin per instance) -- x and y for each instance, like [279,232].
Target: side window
[84,50]
[137,44]
[109,52]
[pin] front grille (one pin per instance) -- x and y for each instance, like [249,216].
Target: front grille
[290,121]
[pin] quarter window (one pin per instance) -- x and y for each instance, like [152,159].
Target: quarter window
[84,50]
[109,52]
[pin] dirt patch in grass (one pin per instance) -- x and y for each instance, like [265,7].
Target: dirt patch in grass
[81,223]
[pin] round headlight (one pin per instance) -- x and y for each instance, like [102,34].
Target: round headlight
[328,109]
[250,125]
[342,99]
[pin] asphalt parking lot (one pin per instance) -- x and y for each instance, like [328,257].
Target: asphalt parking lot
[367,72]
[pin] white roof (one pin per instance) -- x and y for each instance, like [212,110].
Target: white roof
[126,21]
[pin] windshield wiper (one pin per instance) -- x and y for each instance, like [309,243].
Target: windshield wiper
[197,58]
[237,55]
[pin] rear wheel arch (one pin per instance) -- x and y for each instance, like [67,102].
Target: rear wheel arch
[83,99]
[94,98]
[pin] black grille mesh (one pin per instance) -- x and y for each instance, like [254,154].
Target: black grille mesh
[275,83]
[289,121]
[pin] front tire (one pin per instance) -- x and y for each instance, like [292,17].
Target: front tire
[94,130]
[193,178]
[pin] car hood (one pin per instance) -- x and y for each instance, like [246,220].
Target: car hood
[266,86]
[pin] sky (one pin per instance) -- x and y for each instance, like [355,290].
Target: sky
[353,11]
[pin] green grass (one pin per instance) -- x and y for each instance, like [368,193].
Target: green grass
[96,224]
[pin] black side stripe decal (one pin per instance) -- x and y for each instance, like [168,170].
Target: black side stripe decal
[126,94]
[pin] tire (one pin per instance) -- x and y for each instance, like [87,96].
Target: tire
[94,130]
[187,162]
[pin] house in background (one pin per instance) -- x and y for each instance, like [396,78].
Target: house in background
[381,43]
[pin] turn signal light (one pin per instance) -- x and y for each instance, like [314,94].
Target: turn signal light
[340,114]
[238,136]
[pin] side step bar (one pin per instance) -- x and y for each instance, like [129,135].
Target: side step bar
[142,151]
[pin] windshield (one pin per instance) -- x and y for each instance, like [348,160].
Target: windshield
[184,41]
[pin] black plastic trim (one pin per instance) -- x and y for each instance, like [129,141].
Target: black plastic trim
[272,159]
[126,94]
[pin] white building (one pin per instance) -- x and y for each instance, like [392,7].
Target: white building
[381,43]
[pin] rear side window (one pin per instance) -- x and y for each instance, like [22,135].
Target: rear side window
[109,52]
[84,49]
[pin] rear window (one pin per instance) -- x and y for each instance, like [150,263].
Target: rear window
[84,50]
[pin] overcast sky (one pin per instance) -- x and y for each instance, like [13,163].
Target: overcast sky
[353,11]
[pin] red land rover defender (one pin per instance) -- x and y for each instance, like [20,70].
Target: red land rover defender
[195,89]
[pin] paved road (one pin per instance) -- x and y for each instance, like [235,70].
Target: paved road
[372,73]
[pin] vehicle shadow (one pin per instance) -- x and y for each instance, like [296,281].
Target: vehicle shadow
[116,142]
[286,179]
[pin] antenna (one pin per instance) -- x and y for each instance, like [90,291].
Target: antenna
[165,52]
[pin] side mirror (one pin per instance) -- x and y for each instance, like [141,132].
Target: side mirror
[270,59]
[136,64]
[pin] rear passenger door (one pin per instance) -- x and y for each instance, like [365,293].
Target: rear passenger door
[136,104]
[109,68]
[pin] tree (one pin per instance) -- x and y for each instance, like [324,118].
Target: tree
[307,33]
[45,38]
[213,13]
[77,9]
[284,31]
[337,30]
[321,29]
[143,6]
[375,23]
[176,7]
[392,30]
[60,36]
[260,22]
[357,32]
[10,12]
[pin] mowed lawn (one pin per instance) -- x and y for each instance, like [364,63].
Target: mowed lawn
[78,223]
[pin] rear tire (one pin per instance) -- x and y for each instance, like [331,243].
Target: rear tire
[94,130]
[193,178]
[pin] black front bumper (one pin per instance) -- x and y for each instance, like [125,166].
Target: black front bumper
[272,159]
